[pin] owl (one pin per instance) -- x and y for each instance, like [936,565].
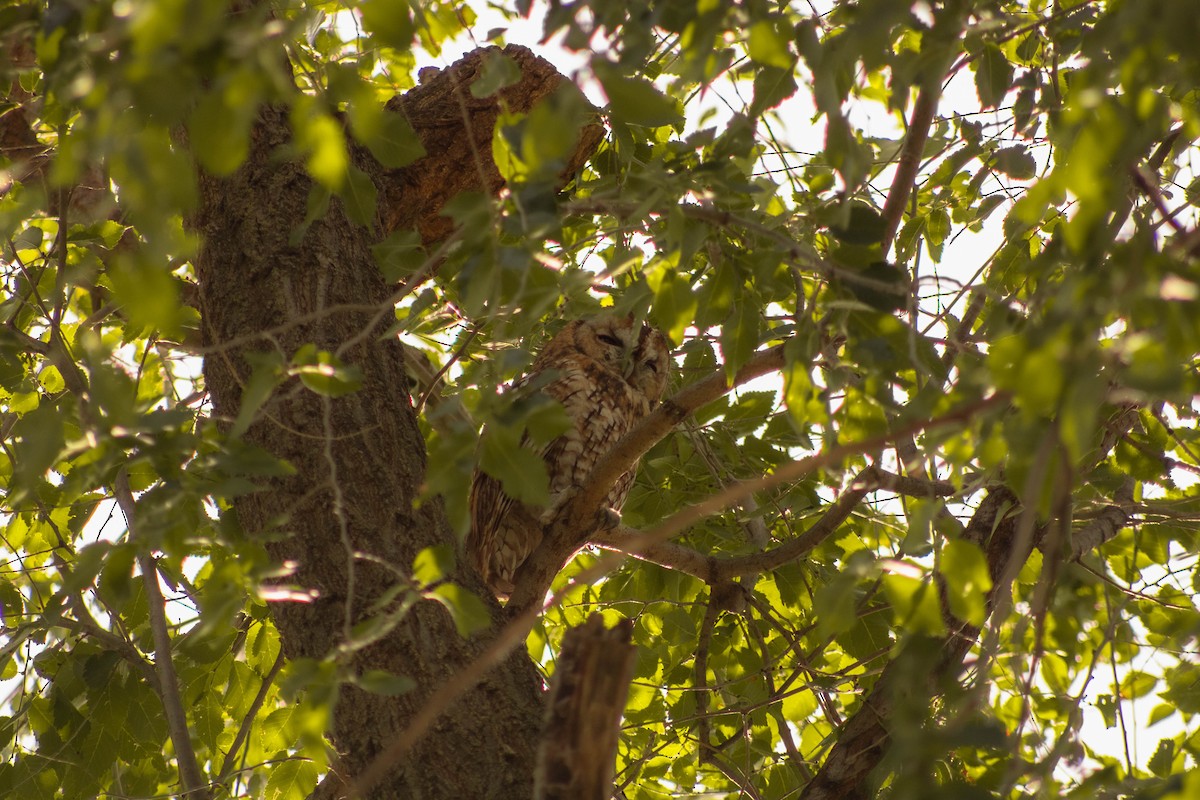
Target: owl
[608,373]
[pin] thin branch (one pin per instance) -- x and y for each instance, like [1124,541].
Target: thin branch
[248,720]
[194,786]
[650,547]
[700,677]
[910,161]
[800,546]
[734,775]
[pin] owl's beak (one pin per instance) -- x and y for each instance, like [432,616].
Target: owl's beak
[628,365]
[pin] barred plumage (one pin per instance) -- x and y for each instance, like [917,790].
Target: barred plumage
[607,373]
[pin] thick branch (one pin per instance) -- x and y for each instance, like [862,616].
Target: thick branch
[711,569]
[456,129]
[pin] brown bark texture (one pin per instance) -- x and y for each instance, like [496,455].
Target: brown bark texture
[583,714]
[359,459]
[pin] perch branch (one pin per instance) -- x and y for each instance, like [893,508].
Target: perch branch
[577,518]
[657,425]
[652,546]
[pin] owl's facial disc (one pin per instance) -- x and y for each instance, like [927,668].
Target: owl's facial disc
[617,354]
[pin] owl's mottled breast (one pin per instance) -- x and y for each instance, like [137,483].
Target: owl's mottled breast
[607,373]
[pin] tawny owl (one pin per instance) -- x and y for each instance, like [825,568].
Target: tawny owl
[607,373]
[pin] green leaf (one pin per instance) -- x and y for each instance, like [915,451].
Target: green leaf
[1016,162]
[400,255]
[387,134]
[432,564]
[389,21]
[266,373]
[470,614]
[1160,712]
[149,294]
[915,604]
[674,303]
[324,373]
[319,136]
[772,86]
[740,335]
[1137,684]
[1161,763]
[993,76]
[635,101]
[768,46]
[377,681]
[40,438]
[835,605]
[359,195]
[860,225]
[294,779]
[520,471]
[497,72]
[965,570]
[217,135]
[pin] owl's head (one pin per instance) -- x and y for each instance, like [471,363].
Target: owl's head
[638,353]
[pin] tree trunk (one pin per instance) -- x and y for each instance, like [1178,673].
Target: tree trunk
[359,459]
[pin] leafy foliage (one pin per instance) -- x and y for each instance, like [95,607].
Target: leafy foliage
[1061,366]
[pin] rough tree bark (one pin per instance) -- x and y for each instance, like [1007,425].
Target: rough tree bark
[359,459]
[583,715]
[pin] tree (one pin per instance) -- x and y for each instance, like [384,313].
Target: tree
[953,513]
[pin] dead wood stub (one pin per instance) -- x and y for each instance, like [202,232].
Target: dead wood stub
[456,129]
[583,714]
